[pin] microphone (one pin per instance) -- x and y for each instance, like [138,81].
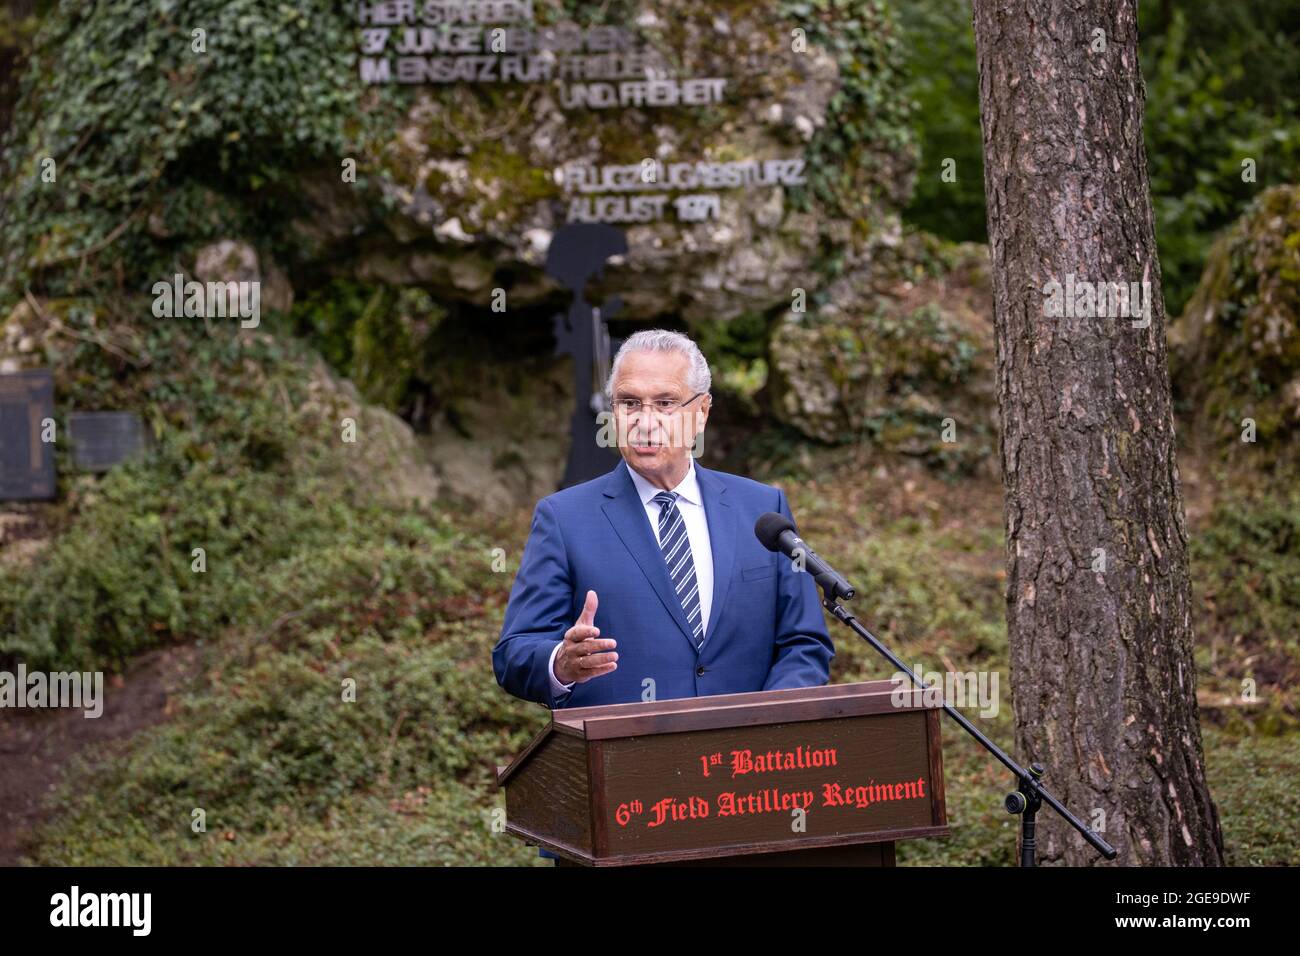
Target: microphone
[776,533]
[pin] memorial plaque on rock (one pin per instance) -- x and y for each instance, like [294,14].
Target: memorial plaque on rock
[26,461]
[102,439]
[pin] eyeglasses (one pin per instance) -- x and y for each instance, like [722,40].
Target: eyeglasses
[661,406]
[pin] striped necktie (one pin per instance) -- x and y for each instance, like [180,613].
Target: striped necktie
[676,547]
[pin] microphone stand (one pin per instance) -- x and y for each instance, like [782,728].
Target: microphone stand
[1029,794]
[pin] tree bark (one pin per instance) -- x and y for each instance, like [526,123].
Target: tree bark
[1098,596]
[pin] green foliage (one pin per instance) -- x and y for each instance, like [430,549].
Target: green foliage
[287,770]
[930,347]
[245,463]
[869,109]
[1221,85]
[922,599]
[737,354]
[895,376]
[1250,558]
[117,95]
[312,579]
[1221,81]
[943,79]
[1245,567]
[375,335]
[1237,354]
[1259,804]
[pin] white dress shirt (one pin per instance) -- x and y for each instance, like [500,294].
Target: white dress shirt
[691,504]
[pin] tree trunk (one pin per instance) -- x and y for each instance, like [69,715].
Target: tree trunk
[1098,597]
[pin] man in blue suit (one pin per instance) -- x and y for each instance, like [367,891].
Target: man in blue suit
[648,583]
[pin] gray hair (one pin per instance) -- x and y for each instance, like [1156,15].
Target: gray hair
[698,377]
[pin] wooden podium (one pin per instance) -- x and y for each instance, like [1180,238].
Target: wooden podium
[827,775]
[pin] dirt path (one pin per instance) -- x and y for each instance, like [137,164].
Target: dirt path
[37,745]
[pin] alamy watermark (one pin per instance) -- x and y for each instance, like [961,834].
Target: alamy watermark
[133,911]
[615,430]
[1082,299]
[84,691]
[177,298]
[955,688]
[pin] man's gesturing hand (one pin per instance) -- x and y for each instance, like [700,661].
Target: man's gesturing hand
[583,655]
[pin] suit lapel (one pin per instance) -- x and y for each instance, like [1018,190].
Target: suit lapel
[723,531]
[628,516]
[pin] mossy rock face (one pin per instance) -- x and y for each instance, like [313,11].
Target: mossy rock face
[28,334]
[471,179]
[1236,350]
[906,366]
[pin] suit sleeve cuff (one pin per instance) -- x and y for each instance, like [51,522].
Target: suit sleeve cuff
[558,689]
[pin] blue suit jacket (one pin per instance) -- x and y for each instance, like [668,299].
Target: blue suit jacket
[765,629]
